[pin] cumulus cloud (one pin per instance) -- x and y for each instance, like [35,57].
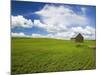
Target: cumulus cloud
[21,34]
[62,35]
[59,18]
[59,21]
[20,21]
[90,37]
[34,35]
[66,33]
[60,15]
[50,28]
[87,30]
[64,22]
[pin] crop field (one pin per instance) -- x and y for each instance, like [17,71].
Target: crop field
[35,55]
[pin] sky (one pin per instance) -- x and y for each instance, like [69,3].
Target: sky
[52,20]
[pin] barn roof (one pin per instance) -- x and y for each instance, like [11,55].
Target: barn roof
[77,34]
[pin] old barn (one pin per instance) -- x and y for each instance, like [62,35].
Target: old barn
[78,38]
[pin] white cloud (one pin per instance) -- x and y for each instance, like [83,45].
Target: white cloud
[34,35]
[50,28]
[88,33]
[59,18]
[62,35]
[60,15]
[20,21]
[21,34]
[87,30]
[66,33]
[37,23]
[60,22]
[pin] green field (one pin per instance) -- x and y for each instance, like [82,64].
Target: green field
[34,55]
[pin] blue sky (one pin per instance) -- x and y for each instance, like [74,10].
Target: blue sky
[35,19]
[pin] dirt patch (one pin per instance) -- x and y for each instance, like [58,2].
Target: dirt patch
[93,47]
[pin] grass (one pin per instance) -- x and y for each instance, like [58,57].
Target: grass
[34,55]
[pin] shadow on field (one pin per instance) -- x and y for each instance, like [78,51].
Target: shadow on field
[80,45]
